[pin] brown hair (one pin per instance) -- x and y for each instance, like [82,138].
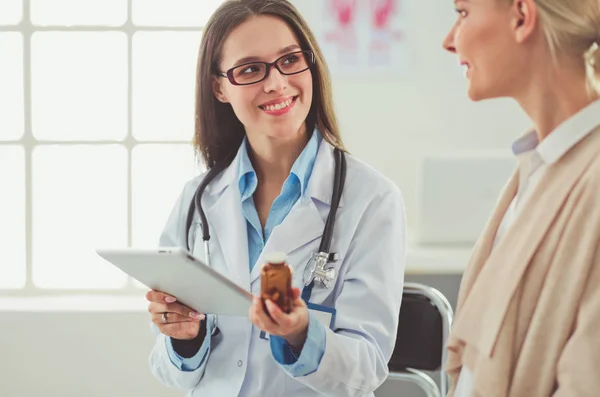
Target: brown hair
[218,132]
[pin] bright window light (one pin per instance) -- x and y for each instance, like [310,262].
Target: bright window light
[164,81]
[173,12]
[11,86]
[79,85]
[12,215]
[79,204]
[11,12]
[78,12]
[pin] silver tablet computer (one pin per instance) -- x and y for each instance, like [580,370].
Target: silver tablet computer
[176,272]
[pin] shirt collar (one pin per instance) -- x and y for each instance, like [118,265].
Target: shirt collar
[563,138]
[525,143]
[569,133]
[302,167]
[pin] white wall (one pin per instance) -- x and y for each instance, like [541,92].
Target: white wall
[75,354]
[390,123]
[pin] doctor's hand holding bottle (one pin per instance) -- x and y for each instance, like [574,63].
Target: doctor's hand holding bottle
[292,326]
[173,319]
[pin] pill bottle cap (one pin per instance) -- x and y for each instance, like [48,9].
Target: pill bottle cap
[276,257]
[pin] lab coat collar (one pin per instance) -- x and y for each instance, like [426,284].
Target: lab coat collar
[320,185]
[228,177]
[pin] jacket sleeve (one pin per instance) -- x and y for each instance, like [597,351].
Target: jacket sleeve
[357,351]
[577,369]
[171,372]
[309,358]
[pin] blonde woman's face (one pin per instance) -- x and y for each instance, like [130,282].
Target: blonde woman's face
[483,41]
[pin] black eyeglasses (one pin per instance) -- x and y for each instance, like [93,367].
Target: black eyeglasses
[255,72]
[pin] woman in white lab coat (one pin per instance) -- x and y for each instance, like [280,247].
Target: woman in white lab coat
[264,113]
[528,311]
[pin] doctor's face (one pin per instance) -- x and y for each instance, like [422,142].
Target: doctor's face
[278,105]
[482,38]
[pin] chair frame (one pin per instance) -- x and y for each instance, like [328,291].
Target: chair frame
[416,376]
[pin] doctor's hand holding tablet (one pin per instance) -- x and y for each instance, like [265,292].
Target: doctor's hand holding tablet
[172,318]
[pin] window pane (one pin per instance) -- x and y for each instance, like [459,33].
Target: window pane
[12,214]
[164,80]
[11,12]
[79,204]
[155,187]
[173,13]
[80,12]
[11,86]
[79,85]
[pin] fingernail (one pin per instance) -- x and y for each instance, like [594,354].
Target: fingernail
[197,315]
[170,299]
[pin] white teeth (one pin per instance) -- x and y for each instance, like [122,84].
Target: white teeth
[465,69]
[279,106]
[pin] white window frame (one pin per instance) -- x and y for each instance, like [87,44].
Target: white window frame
[29,143]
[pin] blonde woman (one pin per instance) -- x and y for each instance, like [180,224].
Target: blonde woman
[528,315]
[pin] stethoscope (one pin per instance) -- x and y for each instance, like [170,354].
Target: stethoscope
[315,270]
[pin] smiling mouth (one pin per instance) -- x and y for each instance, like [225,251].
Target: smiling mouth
[466,68]
[279,106]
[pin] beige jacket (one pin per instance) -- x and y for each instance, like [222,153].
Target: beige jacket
[528,317]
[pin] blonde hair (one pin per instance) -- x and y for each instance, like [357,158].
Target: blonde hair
[573,27]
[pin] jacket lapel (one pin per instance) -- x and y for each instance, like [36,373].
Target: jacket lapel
[228,225]
[480,254]
[304,223]
[485,243]
[490,288]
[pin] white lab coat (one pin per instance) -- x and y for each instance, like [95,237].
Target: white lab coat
[370,240]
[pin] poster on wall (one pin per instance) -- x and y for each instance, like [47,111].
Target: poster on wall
[364,37]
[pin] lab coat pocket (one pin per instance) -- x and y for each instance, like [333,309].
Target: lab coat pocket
[325,315]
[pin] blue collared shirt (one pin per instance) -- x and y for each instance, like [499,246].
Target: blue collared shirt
[294,187]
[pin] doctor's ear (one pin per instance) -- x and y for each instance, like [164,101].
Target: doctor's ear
[218,90]
[524,19]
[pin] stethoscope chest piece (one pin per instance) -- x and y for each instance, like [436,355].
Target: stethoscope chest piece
[315,270]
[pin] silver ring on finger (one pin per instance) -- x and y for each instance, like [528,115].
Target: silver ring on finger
[164,318]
